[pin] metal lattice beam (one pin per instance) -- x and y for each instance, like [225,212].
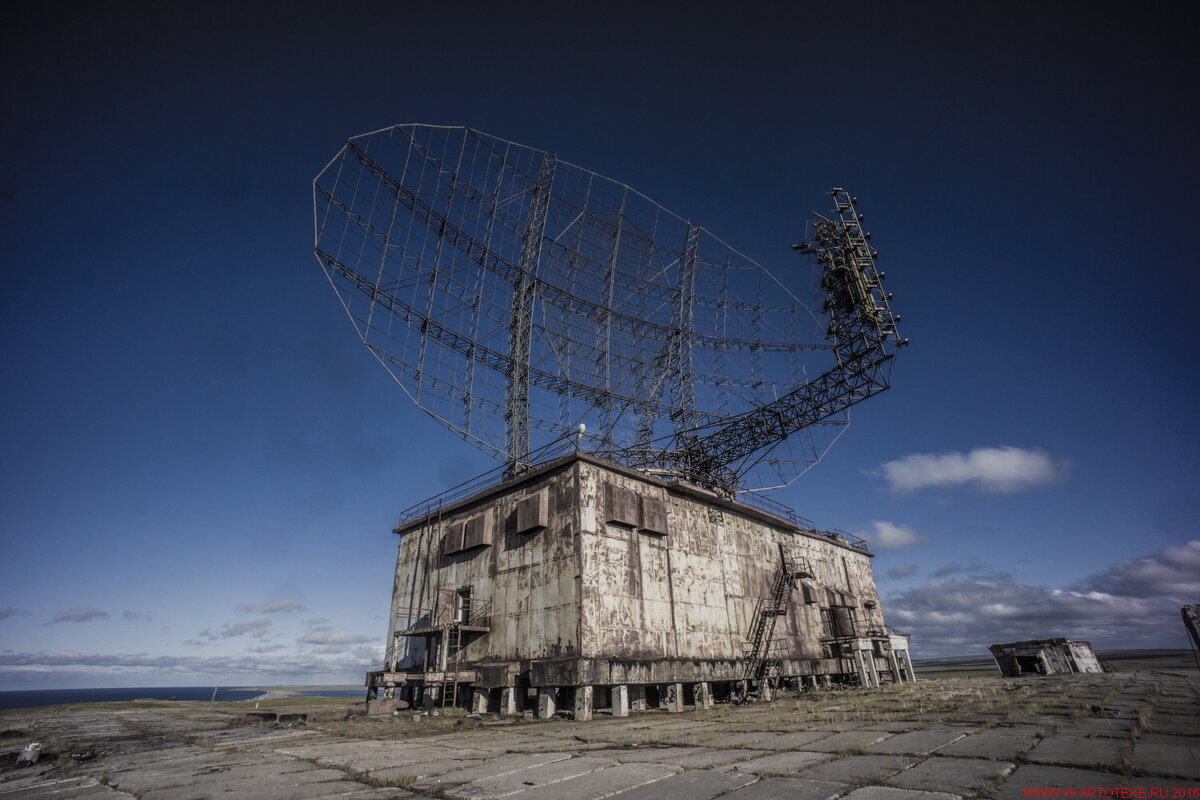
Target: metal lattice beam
[513,295]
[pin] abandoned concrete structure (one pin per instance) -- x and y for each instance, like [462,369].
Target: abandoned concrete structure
[1044,657]
[596,586]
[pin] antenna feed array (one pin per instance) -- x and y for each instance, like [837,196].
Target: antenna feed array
[858,307]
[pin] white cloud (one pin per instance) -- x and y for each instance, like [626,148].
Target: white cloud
[274,608]
[257,629]
[888,536]
[328,636]
[135,616]
[11,611]
[902,571]
[78,615]
[989,469]
[1135,603]
[1171,571]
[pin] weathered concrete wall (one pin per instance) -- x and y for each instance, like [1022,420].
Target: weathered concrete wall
[598,574]
[691,593]
[531,579]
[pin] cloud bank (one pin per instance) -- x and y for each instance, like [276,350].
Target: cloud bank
[78,615]
[274,608]
[988,469]
[1133,604]
[889,536]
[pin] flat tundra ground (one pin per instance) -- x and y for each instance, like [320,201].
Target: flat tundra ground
[943,738]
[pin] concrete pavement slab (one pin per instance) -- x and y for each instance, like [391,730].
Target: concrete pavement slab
[921,742]
[999,742]
[695,784]
[715,758]
[1177,724]
[960,776]
[1077,751]
[259,791]
[851,769]
[629,755]
[847,740]
[784,763]
[63,789]
[1108,727]
[493,768]
[603,782]
[892,793]
[1161,754]
[790,788]
[523,780]
[1040,776]
[787,741]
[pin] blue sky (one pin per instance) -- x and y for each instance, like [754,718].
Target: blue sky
[202,465]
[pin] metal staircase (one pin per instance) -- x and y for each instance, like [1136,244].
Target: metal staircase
[761,669]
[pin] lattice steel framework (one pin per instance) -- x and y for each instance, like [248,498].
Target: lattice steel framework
[514,296]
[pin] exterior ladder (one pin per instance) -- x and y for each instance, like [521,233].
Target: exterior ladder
[454,636]
[758,664]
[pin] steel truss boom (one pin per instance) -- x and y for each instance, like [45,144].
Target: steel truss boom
[862,330]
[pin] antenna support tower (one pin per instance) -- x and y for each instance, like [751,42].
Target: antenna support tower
[514,297]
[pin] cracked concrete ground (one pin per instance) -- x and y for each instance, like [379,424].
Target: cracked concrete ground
[946,738]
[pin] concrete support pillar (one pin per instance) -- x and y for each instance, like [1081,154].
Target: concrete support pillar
[766,691]
[912,676]
[812,682]
[509,701]
[620,701]
[743,689]
[869,657]
[897,675]
[479,700]
[546,698]
[637,698]
[864,677]
[672,698]
[704,695]
[826,681]
[584,696]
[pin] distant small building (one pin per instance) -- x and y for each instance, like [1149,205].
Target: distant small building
[1044,657]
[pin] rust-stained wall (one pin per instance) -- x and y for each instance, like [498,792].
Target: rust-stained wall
[627,568]
[530,579]
[691,594]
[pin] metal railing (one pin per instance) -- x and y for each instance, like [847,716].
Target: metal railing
[572,442]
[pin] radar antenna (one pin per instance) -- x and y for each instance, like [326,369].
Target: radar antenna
[515,297]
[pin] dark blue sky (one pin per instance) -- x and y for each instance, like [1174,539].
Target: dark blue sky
[201,464]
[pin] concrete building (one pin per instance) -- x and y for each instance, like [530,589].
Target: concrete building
[583,584]
[1044,657]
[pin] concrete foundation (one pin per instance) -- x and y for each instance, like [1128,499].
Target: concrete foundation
[547,699]
[620,701]
[584,700]
[672,697]
[510,702]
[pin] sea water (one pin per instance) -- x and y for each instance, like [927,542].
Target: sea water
[29,698]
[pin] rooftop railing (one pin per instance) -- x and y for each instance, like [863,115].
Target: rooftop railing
[572,443]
